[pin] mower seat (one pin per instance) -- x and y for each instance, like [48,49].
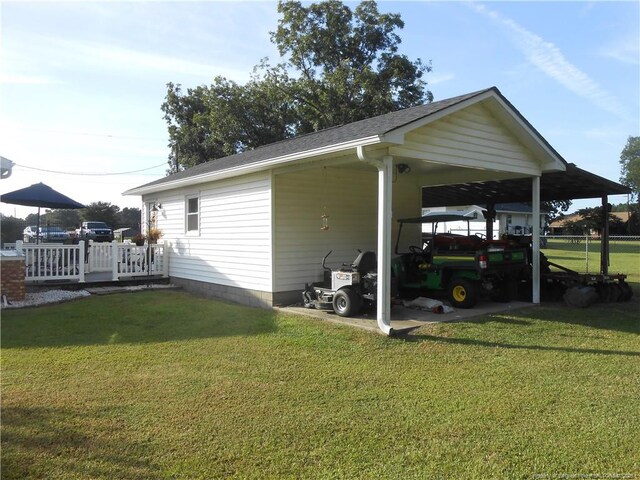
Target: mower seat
[365,262]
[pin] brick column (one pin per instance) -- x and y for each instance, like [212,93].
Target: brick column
[12,275]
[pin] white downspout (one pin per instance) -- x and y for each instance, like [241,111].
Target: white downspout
[385,191]
[535,201]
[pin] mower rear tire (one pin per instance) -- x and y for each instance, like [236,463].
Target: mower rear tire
[346,302]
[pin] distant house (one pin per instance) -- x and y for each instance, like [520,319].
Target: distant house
[567,224]
[511,218]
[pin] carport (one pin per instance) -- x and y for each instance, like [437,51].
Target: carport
[478,149]
[264,218]
[474,140]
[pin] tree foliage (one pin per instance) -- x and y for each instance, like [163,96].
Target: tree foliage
[338,66]
[67,219]
[11,228]
[128,217]
[348,62]
[630,165]
[555,208]
[592,219]
[102,212]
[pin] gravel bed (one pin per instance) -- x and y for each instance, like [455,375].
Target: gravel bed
[42,298]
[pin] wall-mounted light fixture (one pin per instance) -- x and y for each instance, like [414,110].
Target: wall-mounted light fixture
[403,168]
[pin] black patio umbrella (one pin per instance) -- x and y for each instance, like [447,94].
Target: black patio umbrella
[39,195]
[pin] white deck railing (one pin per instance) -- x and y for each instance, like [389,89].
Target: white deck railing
[136,261]
[49,261]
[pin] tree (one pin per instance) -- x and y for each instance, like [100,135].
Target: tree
[66,219]
[128,217]
[348,62]
[11,228]
[591,220]
[630,166]
[102,212]
[555,208]
[339,66]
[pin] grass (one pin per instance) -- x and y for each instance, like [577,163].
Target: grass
[169,385]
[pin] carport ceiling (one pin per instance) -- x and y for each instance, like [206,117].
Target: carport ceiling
[572,184]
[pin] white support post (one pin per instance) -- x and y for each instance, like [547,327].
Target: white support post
[81,244]
[114,260]
[535,261]
[385,199]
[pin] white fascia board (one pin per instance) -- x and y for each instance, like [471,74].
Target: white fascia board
[257,166]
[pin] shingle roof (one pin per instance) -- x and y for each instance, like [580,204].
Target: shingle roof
[362,129]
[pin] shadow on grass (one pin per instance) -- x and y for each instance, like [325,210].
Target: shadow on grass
[140,317]
[618,317]
[420,337]
[43,442]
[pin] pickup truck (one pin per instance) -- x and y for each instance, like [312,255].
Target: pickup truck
[96,231]
[465,267]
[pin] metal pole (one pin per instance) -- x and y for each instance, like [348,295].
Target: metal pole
[604,238]
[586,250]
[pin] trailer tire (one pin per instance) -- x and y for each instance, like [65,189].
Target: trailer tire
[626,290]
[610,293]
[463,293]
[580,296]
[346,302]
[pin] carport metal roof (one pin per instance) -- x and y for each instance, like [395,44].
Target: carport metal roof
[572,184]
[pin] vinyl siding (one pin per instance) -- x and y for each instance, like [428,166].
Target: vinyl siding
[233,246]
[472,137]
[350,197]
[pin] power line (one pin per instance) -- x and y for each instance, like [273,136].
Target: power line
[87,134]
[88,174]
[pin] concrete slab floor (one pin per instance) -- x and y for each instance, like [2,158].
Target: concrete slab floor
[404,319]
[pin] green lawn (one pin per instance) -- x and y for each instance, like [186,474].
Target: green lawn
[169,385]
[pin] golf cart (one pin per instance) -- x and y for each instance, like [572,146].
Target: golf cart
[346,290]
[465,267]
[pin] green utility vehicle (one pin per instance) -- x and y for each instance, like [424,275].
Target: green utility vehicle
[465,267]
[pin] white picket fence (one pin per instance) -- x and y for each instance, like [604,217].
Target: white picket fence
[48,261]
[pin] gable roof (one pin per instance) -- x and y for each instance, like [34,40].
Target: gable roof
[369,131]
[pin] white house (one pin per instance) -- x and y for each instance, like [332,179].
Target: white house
[253,227]
[510,218]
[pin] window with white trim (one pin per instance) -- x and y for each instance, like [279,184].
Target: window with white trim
[193,214]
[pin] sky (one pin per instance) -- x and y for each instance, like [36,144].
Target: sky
[82,83]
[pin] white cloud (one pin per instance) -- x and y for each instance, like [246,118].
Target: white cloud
[435,79]
[626,50]
[550,60]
